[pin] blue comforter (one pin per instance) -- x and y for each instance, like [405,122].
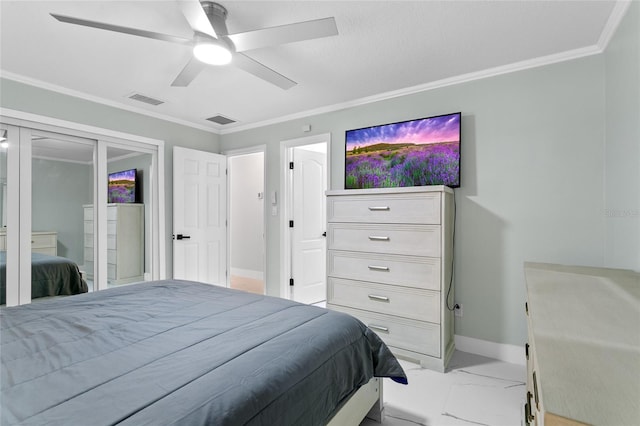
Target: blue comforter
[50,276]
[183,353]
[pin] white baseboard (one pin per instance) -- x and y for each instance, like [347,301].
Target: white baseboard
[512,354]
[248,273]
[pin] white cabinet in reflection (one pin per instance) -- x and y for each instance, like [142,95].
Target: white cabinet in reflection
[45,242]
[125,243]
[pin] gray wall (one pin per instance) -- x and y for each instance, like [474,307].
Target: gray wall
[22,97]
[532,180]
[58,192]
[622,151]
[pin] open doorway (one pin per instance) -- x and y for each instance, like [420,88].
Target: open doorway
[304,218]
[246,220]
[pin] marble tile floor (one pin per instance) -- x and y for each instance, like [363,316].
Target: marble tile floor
[475,391]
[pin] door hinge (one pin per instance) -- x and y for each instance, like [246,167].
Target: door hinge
[290,281]
[291,165]
[290,224]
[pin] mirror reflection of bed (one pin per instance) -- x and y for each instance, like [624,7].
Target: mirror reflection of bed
[62,194]
[51,275]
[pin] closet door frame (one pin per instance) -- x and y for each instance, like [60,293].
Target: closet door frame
[19,125]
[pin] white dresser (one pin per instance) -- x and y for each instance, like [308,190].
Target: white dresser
[125,243]
[389,260]
[45,242]
[583,354]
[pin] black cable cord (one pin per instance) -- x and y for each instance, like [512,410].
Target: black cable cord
[453,238]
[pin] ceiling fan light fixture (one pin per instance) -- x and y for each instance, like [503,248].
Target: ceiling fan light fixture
[212,53]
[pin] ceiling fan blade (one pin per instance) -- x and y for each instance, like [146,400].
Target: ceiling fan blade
[284,34]
[196,17]
[119,29]
[267,74]
[188,73]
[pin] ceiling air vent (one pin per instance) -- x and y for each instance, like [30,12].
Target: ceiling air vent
[146,99]
[220,119]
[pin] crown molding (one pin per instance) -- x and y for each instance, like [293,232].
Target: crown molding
[22,118]
[618,12]
[92,98]
[464,78]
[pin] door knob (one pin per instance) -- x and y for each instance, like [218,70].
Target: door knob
[183,237]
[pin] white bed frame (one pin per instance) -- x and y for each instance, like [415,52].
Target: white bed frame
[366,402]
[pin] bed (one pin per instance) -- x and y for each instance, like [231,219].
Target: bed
[50,276]
[183,353]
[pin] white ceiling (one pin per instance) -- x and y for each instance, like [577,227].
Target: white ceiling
[383,47]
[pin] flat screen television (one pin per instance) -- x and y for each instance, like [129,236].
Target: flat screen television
[420,152]
[122,186]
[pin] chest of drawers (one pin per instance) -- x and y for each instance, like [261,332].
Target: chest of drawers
[389,261]
[125,243]
[45,242]
[583,353]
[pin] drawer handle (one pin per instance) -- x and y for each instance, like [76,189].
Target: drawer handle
[529,409]
[378,328]
[379,208]
[535,391]
[377,238]
[378,268]
[378,298]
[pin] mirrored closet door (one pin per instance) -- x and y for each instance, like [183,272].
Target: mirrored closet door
[4,145]
[78,213]
[62,180]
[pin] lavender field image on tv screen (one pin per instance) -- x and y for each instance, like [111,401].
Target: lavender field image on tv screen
[412,153]
[122,187]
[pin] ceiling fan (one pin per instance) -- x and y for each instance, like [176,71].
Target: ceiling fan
[212,43]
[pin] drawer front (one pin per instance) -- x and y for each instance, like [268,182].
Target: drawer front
[111,242]
[112,212]
[112,227]
[88,213]
[88,240]
[112,256]
[411,335]
[388,208]
[88,227]
[88,254]
[43,241]
[51,251]
[422,305]
[112,271]
[418,272]
[414,240]
[88,268]
[3,242]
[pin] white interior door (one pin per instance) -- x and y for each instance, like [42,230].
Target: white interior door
[308,254]
[199,216]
